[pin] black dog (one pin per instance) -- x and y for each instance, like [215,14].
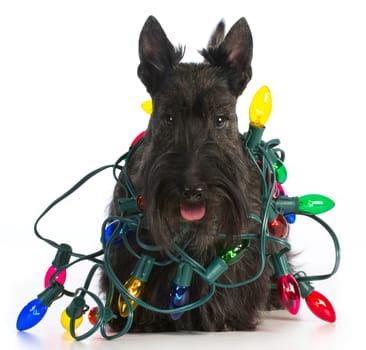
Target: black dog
[198,184]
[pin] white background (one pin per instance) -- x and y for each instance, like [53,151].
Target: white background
[70,102]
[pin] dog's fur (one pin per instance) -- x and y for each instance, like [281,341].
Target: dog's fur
[192,158]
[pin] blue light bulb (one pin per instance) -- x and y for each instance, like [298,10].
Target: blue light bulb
[179,296]
[31,314]
[35,310]
[290,218]
[109,230]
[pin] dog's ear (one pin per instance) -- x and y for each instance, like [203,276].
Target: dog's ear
[157,55]
[218,35]
[233,52]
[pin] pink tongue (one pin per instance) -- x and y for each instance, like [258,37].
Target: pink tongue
[192,212]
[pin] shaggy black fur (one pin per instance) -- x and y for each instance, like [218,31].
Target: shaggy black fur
[192,159]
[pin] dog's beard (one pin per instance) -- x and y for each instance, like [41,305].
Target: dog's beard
[222,215]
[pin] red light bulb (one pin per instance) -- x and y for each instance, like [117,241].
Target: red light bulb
[140,202]
[278,227]
[93,315]
[289,293]
[320,306]
[137,138]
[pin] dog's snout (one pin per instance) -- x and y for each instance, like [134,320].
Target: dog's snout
[193,193]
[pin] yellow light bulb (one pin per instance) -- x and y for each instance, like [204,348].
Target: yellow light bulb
[147,107]
[66,321]
[260,107]
[135,287]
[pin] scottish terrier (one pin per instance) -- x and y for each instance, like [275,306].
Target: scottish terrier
[199,185]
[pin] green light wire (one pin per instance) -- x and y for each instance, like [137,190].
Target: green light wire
[337,251]
[264,153]
[127,296]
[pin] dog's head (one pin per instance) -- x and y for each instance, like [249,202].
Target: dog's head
[194,167]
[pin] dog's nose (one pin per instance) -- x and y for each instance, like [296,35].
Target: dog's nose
[193,194]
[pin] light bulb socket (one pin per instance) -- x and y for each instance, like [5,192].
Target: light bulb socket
[76,307]
[254,136]
[184,275]
[272,214]
[280,264]
[129,206]
[50,294]
[143,268]
[62,256]
[217,267]
[305,288]
[289,204]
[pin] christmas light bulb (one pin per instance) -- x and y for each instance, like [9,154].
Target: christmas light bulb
[259,111]
[62,258]
[279,191]
[179,296]
[136,283]
[277,224]
[280,170]
[93,315]
[310,204]
[260,107]
[35,310]
[135,287]
[31,314]
[109,230]
[73,313]
[232,256]
[278,227]
[137,138]
[60,277]
[288,289]
[290,218]
[289,293]
[147,107]
[278,166]
[320,306]
[180,291]
[66,321]
[315,204]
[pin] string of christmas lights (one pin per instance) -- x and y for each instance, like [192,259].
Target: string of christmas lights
[279,211]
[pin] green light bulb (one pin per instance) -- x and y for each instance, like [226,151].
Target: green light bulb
[281,172]
[315,204]
[232,256]
[309,204]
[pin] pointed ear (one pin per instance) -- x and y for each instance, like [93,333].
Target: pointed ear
[157,55]
[235,54]
[218,35]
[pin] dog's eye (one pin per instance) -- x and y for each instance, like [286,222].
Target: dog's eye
[220,121]
[169,119]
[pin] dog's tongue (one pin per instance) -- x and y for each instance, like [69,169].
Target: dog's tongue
[192,212]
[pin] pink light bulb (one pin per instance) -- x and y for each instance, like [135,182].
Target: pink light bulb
[60,277]
[289,293]
[57,269]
